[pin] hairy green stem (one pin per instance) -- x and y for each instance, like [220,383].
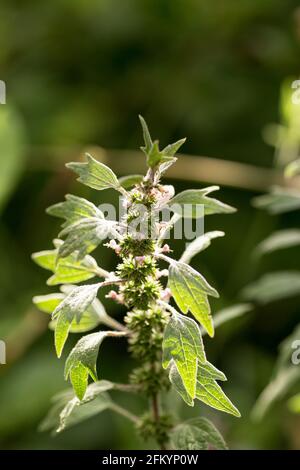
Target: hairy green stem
[123,412]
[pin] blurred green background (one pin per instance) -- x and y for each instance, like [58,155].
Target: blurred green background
[77,74]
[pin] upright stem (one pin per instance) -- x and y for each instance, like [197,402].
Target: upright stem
[155,411]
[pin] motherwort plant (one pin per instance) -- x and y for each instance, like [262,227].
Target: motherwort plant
[166,301]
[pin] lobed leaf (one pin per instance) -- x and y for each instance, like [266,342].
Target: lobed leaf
[82,361]
[190,291]
[70,270]
[68,410]
[198,245]
[128,181]
[72,307]
[45,259]
[85,235]
[197,434]
[95,174]
[183,346]
[187,203]
[210,393]
[74,209]
[48,303]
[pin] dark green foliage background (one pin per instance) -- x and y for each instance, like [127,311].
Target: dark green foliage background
[78,73]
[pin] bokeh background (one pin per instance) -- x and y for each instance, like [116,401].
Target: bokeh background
[77,74]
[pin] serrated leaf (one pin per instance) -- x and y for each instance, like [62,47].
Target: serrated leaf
[73,209]
[199,244]
[197,434]
[59,401]
[95,174]
[210,393]
[45,259]
[279,200]
[171,149]
[73,306]
[89,320]
[84,236]
[95,401]
[69,270]
[153,156]
[128,182]
[187,203]
[273,286]
[48,303]
[190,291]
[82,361]
[279,240]
[67,410]
[176,381]
[163,167]
[183,346]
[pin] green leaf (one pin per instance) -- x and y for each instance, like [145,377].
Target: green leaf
[279,240]
[176,381]
[73,306]
[197,434]
[82,361]
[163,167]
[279,200]
[45,259]
[48,303]
[95,401]
[147,137]
[95,174]
[74,209]
[190,291]
[154,155]
[292,169]
[156,158]
[128,181]
[273,286]
[209,392]
[67,410]
[85,235]
[199,244]
[92,317]
[187,202]
[171,149]
[59,401]
[182,346]
[69,270]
